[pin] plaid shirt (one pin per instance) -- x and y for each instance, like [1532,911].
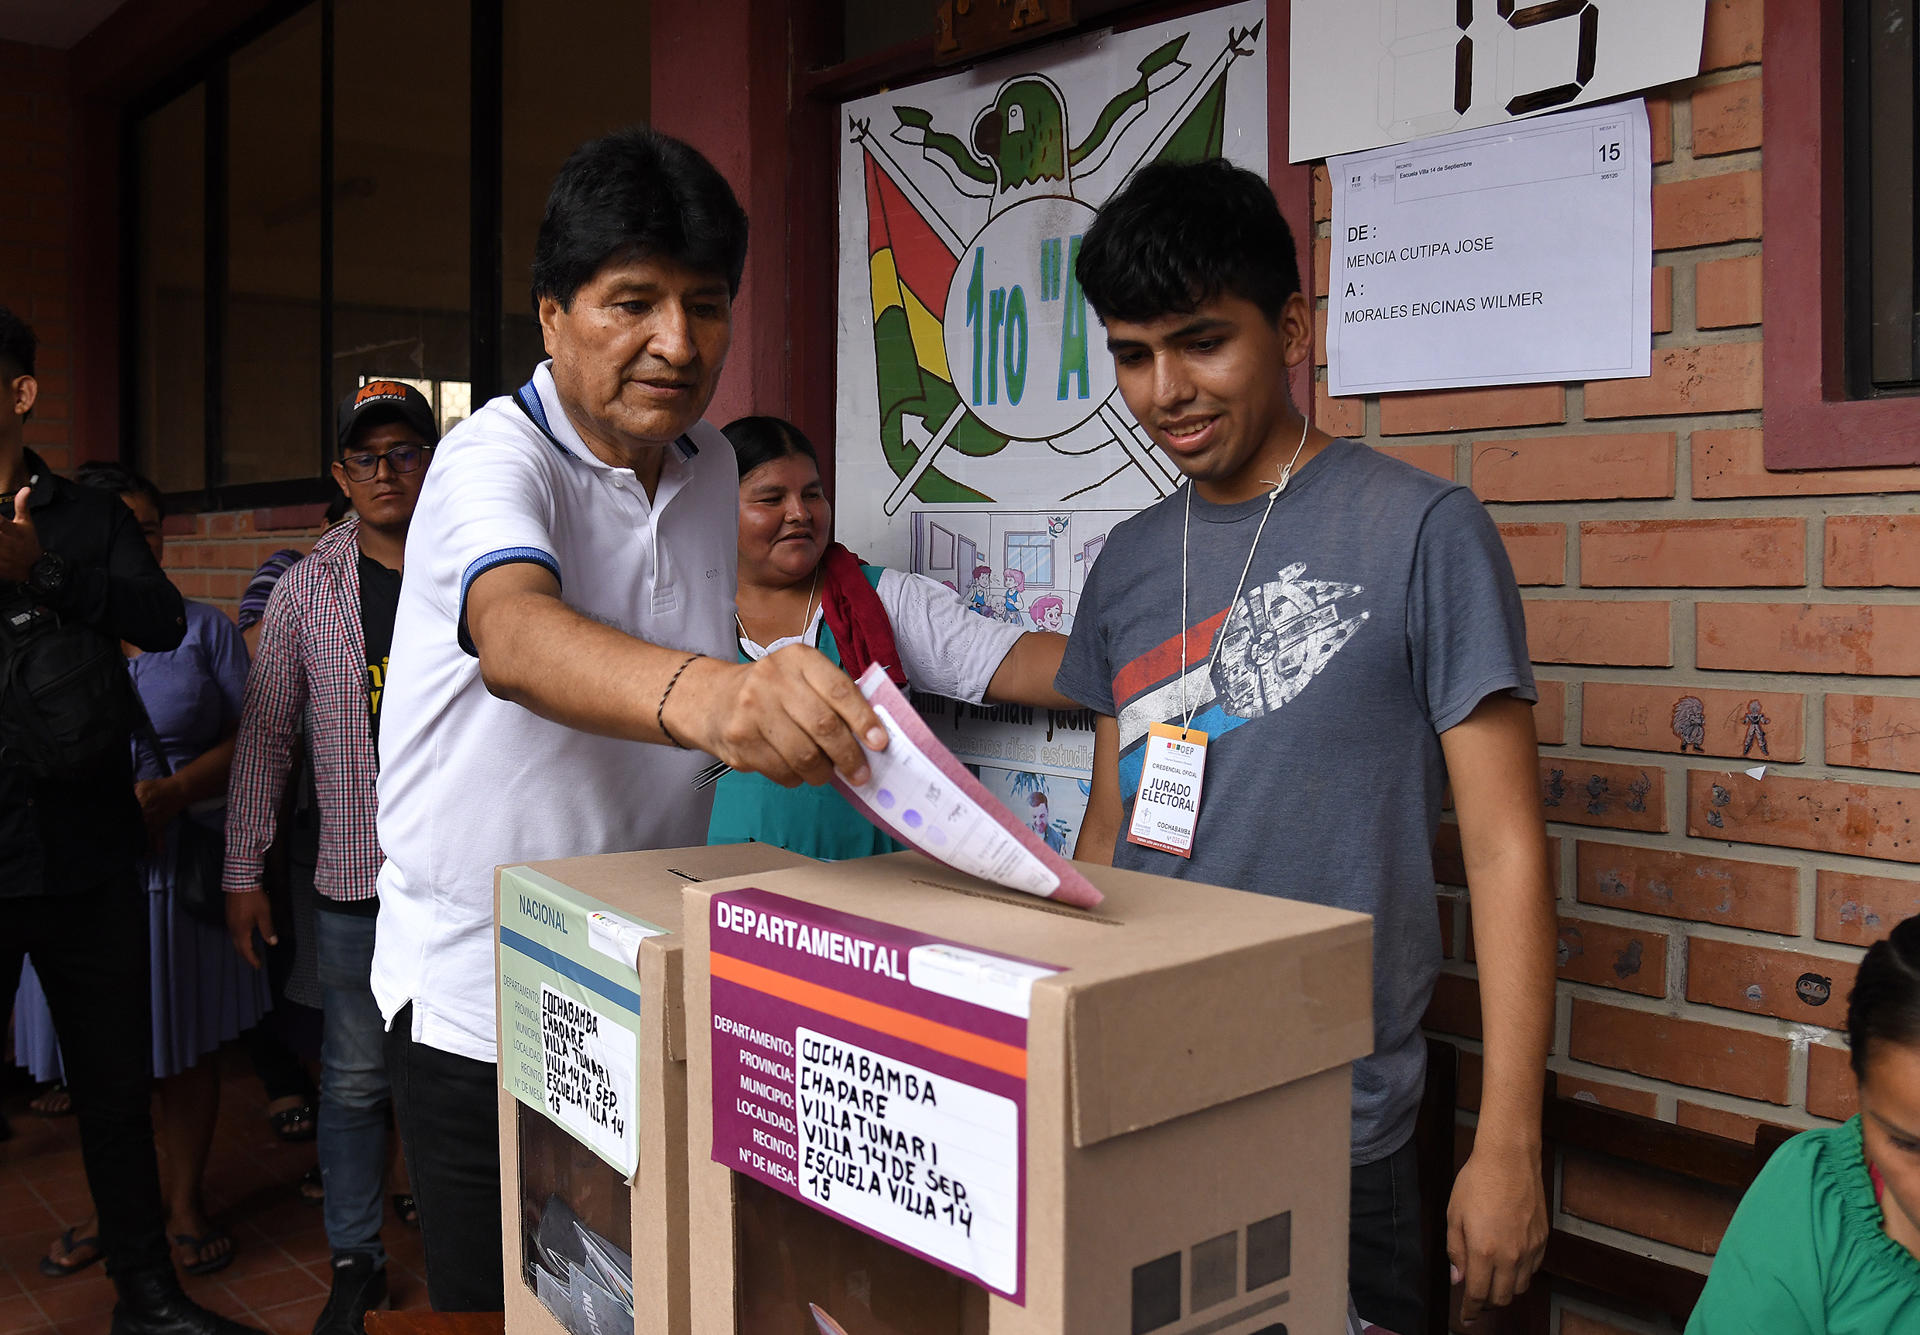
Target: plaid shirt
[312,665]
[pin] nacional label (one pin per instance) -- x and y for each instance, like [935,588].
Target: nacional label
[570,1011]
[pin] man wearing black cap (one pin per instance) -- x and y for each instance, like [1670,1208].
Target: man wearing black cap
[323,651]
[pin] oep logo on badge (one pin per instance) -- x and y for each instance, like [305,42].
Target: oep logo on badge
[1017,327]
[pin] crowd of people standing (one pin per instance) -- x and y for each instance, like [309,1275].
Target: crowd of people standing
[532,638]
[586,579]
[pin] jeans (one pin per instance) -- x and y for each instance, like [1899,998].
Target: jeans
[1386,1270]
[92,956]
[450,1125]
[354,1093]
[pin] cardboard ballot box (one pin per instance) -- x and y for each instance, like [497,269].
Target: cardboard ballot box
[593,1080]
[1060,1121]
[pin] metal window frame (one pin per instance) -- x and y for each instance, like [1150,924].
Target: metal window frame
[1810,421]
[484,312]
[1857,93]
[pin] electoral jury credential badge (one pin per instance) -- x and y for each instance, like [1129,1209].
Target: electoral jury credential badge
[1167,807]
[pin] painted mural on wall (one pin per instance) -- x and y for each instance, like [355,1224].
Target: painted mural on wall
[982,440]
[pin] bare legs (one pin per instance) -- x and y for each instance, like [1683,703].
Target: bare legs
[185,1107]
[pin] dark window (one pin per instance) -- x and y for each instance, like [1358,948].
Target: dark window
[169,307]
[542,119]
[269,333]
[346,190]
[1882,222]
[402,207]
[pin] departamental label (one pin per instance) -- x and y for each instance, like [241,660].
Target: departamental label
[849,1074]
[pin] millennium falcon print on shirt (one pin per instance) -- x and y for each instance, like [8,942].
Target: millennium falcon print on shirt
[1273,642]
[1279,638]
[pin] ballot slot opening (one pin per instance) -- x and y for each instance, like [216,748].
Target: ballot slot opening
[801,1272]
[576,1229]
[1014,900]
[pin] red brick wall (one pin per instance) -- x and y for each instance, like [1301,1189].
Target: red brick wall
[1661,561]
[35,220]
[212,556]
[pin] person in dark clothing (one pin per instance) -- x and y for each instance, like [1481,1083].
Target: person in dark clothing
[69,848]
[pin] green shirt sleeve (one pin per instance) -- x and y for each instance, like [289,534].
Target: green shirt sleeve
[1769,1274]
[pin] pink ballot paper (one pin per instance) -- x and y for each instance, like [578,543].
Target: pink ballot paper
[920,794]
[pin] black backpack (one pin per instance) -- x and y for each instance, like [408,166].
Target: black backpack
[66,700]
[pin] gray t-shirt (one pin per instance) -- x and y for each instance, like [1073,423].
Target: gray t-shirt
[1379,611]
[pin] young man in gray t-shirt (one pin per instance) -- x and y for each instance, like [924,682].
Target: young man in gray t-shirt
[1345,632]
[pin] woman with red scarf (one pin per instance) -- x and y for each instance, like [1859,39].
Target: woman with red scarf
[796,587]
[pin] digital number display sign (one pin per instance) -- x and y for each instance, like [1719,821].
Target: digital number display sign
[1367,73]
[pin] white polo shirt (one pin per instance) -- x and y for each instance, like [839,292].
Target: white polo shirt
[469,781]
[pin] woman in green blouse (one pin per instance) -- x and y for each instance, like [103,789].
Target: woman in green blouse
[1826,1241]
[797,586]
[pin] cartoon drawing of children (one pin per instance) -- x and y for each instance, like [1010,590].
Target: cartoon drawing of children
[977,590]
[1015,586]
[1048,613]
[1756,722]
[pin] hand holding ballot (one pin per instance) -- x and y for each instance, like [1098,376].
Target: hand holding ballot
[919,793]
[793,716]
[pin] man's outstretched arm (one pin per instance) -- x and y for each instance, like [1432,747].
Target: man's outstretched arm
[793,716]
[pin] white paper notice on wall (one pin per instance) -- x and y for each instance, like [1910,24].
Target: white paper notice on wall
[1371,72]
[1504,256]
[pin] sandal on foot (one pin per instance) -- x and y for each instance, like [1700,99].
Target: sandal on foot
[67,1263]
[213,1237]
[53,1101]
[294,1125]
[312,1187]
[405,1209]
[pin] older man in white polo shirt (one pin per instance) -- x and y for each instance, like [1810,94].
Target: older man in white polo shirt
[563,651]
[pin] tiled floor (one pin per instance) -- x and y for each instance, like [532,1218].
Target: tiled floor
[278,1279]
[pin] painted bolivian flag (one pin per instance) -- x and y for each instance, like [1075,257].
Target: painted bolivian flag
[911,269]
[1202,134]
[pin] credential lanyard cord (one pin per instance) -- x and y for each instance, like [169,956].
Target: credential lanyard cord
[1286,475]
